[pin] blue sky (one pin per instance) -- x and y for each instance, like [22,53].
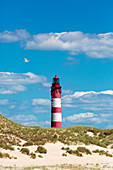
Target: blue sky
[73,39]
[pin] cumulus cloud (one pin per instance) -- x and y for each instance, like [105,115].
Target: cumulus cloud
[20,118]
[39,101]
[17,35]
[12,83]
[11,89]
[90,100]
[71,61]
[79,117]
[46,84]
[87,117]
[4,102]
[92,45]
[39,109]
[67,91]
[20,78]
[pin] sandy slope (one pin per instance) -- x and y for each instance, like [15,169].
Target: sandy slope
[54,156]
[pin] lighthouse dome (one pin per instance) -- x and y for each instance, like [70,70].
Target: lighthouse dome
[55,79]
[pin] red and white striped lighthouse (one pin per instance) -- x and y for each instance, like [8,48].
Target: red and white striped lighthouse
[56,118]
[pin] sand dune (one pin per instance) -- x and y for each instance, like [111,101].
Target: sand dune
[54,156]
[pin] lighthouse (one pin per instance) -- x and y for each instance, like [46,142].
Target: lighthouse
[56,118]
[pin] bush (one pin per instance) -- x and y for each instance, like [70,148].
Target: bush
[111,146]
[6,155]
[55,136]
[25,151]
[108,154]
[41,149]
[29,143]
[64,154]
[84,150]
[1,155]
[8,147]
[74,152]
[40,156]
[63,148]
[32,155]
[102,152]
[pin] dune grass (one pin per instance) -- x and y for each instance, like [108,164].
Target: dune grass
[13,132]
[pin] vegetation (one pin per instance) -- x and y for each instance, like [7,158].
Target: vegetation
[84,150]
[32,155]
[102,152]
[6,147]
[6,155]
[29,143]
[111,146]
[41,149]
[25,151]
[64,154]
[40,156]
[11,133]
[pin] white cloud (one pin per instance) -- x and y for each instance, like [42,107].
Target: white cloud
[85,118]
[46,84]
[12,83]
[17,35]
[39,101]
[67,91]
[4,102]
[92,45]
[79,117]
[21,118]
[12,107]
[20,78]
[11,89]
[90,100]
[39,109]
[95,46]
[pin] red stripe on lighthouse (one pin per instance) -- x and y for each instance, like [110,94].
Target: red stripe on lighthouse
[56,110]
[56,124]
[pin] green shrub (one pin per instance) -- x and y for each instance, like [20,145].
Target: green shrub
[74,152]
[1,145]
[8,147]
[84,150]
[6,155]
[40,142]
[32,155]
[108,154]
[41,149]
[64,154]
[96,151]
[25,151]
[102,152]
[29,143]
[1,155]
[111,146]
[63,148]
[55,136]
[40,156]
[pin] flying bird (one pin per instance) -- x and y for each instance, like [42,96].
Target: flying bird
[26,61]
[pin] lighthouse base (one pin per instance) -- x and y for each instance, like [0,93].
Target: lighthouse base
[56,124]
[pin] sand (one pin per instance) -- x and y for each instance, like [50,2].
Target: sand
[54,156]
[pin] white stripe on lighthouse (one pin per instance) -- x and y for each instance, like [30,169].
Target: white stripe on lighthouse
[56,102]
[56,117]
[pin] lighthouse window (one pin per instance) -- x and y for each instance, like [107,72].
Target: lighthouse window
[55,80]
